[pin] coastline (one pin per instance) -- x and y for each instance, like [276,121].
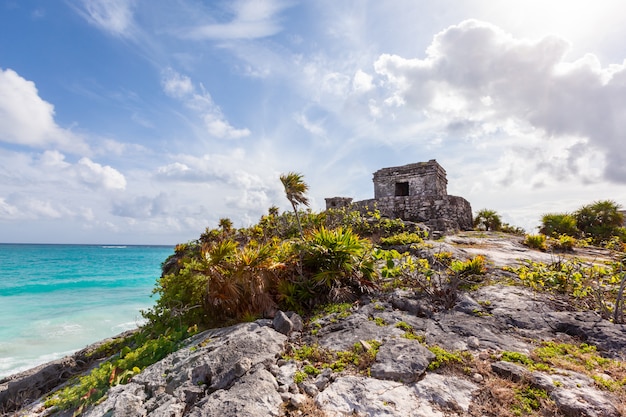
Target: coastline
[28,386]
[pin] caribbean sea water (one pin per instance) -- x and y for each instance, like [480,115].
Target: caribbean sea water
[56,299]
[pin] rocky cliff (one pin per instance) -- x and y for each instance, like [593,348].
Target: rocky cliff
[391,354]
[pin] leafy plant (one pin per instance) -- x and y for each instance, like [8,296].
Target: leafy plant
[127,362]
[600,220]
[403,238]
[564,243]
[591,285]
[443,357]
[338,262]
[471,267]
[536,242]
[557,224]
[488,220]
[528,400]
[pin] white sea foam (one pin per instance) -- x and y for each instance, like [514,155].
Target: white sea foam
[13,365]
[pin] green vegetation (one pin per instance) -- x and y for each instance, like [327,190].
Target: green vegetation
[528,400]
[600,221]
[582,358]
[443,357]
[404,238]
[358,359]
[488,220]
[591,286]
[471,267]
[295,191]
[140,351]
[536,242]
[556,224]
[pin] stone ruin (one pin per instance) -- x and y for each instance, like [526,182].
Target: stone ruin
[414,192]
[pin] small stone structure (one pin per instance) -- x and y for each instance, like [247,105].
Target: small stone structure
[414,192]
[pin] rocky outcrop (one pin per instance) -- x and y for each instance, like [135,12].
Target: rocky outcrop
[250,369]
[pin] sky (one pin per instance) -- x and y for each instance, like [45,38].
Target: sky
[146,121]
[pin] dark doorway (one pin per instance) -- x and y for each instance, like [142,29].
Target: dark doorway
[402,189]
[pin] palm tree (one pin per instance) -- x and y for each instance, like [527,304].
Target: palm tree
[488,220]
[295,190]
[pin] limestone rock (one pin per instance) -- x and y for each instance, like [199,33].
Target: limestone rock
[403,360]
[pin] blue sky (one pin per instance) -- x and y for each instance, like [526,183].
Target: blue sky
[145,121]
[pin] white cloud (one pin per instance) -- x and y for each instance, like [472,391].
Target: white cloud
[26,119]
[362,82]
[527,81]
[113,16]
[142,207]
[96,175]
[181,87]
[251,19]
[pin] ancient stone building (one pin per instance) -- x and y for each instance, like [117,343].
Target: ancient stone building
[414,192]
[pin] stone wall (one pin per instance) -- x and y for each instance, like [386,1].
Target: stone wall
[414,192]
[422,179]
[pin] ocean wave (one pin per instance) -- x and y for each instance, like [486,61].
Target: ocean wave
[13,365]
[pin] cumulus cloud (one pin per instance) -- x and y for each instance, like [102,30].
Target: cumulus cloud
[26,119]
[182,88]
[112,16]
[476,76]
[250,19]
[96,175]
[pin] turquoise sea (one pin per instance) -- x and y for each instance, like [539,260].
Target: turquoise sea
[56,299]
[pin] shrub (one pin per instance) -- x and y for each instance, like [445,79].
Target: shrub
[514,230]
[536,242]
[474,266]
[336,260]
[556,224]
[403,238]
[563,243]
[600,220]
[488,220]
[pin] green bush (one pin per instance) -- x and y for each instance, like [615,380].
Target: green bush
[563,243]
[556,224]
[474,266]
[488,220]
[536,242]
[600,220]
[403,238]
[336,260]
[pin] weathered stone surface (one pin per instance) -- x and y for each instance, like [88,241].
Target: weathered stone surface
[510,371]
[254,395]
[353,395]
[436,395]
[343,334]
[576,394]
[218,360]
[447,392]
[403,360]
[282,324]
